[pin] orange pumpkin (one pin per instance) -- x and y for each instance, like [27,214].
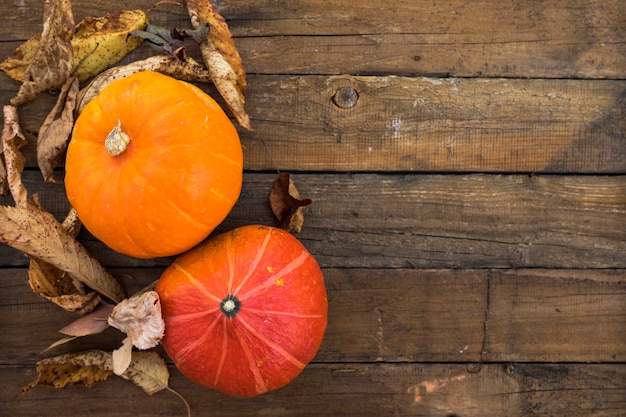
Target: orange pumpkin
[244,311]
[153,165]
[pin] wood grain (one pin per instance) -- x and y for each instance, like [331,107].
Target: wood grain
[466,161]
[556,39]
[407,315]
[422,124]
[426,221]
[434,124]
[353,390]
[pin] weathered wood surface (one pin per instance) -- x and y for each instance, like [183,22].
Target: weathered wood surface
[365,123]
[537,39]
[346,123]
[426,221]
[353,390]
[467,163]
[405,315]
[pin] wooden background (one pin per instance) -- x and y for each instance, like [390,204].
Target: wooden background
[466,162]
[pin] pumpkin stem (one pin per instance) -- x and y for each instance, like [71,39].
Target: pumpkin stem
[230,306]
[116,141]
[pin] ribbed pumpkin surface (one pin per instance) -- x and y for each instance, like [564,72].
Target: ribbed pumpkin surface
[179,177]
[245,311]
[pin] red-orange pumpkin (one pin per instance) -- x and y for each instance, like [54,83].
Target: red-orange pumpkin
[244,311]
[176,179]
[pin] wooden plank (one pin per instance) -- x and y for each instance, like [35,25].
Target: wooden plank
[352,390]
[421,124]
[432,124]
[381,315]
[559,39]
[556,39]
[427,221]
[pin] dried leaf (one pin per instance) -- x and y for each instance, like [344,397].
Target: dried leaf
[72,223]
[140,318]
[180,67]
[12,140]
[221,57]
[97,44]
[147,370]
[287,205]
[78,303]
[92,323]
[46,279]
[59,287]
[219,35]
[59,343]
[122,356]
[52,63]
[160,39]
[75,368]
[54,133]
[16,64]
[38,234]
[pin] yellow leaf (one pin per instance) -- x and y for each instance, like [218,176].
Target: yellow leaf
[99,43]
[16,64]
[148,371]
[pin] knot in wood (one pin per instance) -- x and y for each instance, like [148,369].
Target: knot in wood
[346,97]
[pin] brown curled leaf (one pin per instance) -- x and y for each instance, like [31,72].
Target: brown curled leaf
[147,370]
[52,62]
[38,234]
[221,57]
[86,368]
[286,204]
[180,67]
[48,280]
[221,38]
[11,171]
[60,288]
[72,223]
[54,133]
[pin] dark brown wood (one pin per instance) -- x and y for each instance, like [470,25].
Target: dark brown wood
[352,390]
[466,161]
[556,39]
[427,221]
[383,315]
[434,124]
[465,39]
[423,124]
